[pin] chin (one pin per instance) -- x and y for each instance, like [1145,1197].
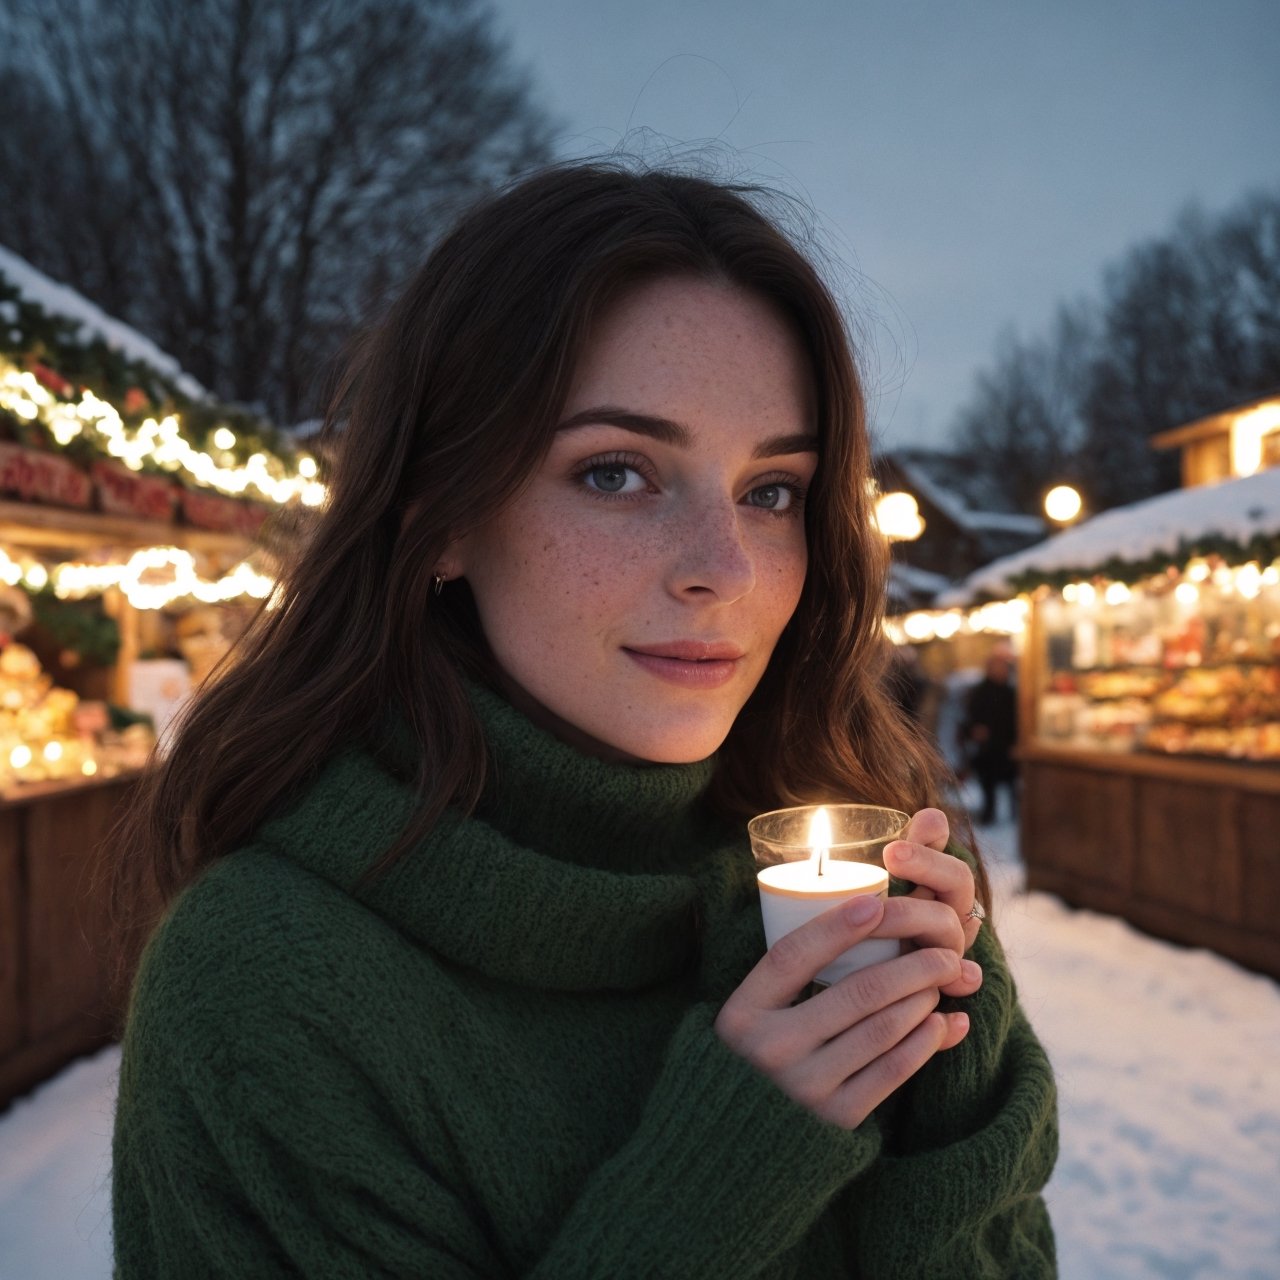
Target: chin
[678,735]
[672,745]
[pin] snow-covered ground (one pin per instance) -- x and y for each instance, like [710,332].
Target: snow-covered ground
[1168,1064]
[1168,1067]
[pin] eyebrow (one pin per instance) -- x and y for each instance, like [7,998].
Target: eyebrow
[671,432]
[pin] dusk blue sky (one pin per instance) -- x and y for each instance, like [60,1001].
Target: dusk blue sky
[975,163]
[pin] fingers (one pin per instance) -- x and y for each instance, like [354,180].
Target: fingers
[957,1029]
[811,1050]
[936,874]
[843,1051]
[928,827]
[948,877]
[861,1044]
[930,923]
[867,993]
[924,922]
[791,963]
[865,1090]
[967,983]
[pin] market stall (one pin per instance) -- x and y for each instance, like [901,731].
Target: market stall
[134,514]
[1150,713]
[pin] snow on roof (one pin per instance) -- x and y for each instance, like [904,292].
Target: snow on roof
[1006,522]
[952,472]
[1236,509]
[954,507]
[60,300]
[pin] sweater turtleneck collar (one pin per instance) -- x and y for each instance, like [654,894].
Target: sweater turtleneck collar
[574,873]
[549,796]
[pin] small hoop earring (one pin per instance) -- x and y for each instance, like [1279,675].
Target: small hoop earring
[438,582]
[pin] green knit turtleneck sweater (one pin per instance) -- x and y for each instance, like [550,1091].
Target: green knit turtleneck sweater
[499,1059]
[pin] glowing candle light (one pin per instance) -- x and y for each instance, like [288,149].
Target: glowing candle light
[794,892]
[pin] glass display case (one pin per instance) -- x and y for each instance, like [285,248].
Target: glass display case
[1190,668]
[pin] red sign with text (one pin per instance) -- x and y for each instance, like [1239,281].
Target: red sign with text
[226,515]
[42,477]
[122,492]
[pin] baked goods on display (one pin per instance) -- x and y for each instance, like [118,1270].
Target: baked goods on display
[1105,685]
[48,734]
[1164,675]
[1257,742]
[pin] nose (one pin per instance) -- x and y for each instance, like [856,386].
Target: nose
[712,559]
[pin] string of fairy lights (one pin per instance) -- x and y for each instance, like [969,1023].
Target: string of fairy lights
[137,577]
[159,576]
[997,617]
[1198,577]
[159,442]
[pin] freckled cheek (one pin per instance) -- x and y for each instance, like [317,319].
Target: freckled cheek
[783,562]
[782,573]
[570,579]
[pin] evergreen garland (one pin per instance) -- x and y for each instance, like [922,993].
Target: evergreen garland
[29,333]
[59,351]
[1262,547]
[78,625]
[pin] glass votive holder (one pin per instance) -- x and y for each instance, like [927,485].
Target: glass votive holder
[814,857]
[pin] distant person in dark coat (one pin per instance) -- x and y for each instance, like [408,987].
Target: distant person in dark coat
[989,733]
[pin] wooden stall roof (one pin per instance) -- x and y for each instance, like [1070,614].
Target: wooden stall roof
[28,524]
[1213,424]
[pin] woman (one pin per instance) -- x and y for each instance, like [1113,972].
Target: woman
[462,972]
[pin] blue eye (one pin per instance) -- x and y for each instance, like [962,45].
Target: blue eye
[615,477]
[772,497]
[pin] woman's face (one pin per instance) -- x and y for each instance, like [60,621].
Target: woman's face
[633,593]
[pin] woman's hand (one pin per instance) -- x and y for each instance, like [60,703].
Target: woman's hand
[919,857]
[846,1049]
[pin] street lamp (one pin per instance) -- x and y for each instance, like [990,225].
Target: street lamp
[898,517]
[1062,504]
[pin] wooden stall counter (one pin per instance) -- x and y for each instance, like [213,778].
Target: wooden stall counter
[1186,849]
[55,1001]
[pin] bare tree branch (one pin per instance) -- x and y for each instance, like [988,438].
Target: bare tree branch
[1186,325]
[258,167]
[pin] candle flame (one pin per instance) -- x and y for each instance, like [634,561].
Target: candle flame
[819,839]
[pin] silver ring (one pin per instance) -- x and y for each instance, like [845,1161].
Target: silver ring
[976,912]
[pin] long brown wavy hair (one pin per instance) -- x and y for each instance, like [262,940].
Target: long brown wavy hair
[446,408]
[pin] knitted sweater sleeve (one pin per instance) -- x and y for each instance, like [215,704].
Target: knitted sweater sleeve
[723,1176]
[970,1142]
[256,1137]
[231,1170]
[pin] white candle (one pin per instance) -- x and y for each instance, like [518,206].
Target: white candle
[793,893]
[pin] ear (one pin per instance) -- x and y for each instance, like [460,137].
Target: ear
[452,563]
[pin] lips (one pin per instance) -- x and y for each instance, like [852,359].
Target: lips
[692,664]
[690,650]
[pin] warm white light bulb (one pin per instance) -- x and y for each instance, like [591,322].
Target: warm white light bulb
[897,516]
[919,627]
[1062,503]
